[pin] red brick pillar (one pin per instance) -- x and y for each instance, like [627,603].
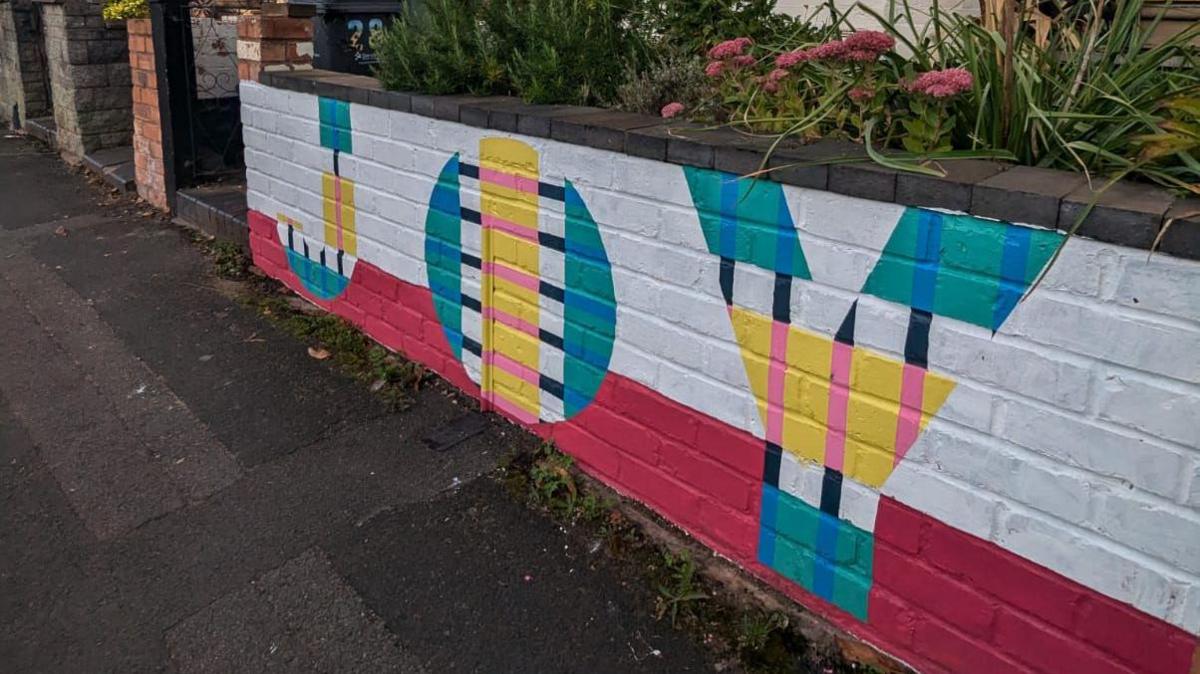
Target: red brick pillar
[147,122]
[276,39]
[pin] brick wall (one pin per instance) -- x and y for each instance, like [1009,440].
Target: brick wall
[22,80]
[859,402]
[88,61]
[147,120]
[273,41]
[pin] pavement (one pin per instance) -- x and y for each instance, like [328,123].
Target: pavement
[184,489]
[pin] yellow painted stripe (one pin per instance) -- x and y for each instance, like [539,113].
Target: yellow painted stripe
[516,345]
[516,390]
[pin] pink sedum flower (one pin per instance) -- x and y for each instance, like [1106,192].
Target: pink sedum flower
[829,50]
[861,94]
[671,109]
[743,61]
[791,58]
[942,83]
[777,74]
[715,69]
[771,87]
[729,48]
[869,41]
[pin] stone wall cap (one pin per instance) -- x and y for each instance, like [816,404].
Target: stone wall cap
[1126,213]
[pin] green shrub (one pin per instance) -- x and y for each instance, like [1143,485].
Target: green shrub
[692,26]
[439,47]
[546,51]
[675,78]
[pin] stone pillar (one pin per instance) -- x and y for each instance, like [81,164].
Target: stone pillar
[22,79]
[88,60]
[280,38]
[150,170]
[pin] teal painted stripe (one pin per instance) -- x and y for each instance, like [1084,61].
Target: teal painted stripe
[443,253]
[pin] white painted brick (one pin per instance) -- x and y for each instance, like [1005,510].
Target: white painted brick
[861,223]
[950,501]
[634,363]
[1080,267]
[733,406]
[1191,490]
[969,406]
[1189,613]
[626,214]
[1079,442]
[1162,408]
[820,308]
[1117,337]
[370,122]
[1163,530]
[974,353]
[1086,559]
[1160,284]
[704,314]
[645,178]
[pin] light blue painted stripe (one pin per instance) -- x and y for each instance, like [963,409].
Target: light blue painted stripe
[825,559]
[1017,240]
[766,530]
[729,215]
[602,309]
[786,234]
[925,271]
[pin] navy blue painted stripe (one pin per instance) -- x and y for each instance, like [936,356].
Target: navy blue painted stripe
[471,303]
[727,267]
[831,492]
[472,345]
[468,170]
[550,290]
[551,386]
[471,261]
[781,307]
[845,333]
[916,342]
[550,338]
[773,457]
[552,241]
[469,215]
[548,191]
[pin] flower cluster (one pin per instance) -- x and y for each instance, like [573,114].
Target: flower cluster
[864,46]
[942,83]
[729,48]
[671,110]
[729,56]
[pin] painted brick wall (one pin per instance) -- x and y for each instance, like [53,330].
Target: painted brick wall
[856,401]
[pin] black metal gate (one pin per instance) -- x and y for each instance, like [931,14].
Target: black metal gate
[199,66]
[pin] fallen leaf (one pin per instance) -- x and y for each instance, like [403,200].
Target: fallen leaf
[319,354]
[378,385]
[61,231]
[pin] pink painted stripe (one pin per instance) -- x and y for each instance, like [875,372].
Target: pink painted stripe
[512,410]
[505,318]
[509,227]
[775,371]
[839,402]
[908,423]
[514,368]
[509,180]
[509,274]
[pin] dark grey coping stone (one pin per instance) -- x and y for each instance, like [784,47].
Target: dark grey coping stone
[1128,214]
[604,130]
[951,191]
[1118,213]
[1024,194]
[1182,237]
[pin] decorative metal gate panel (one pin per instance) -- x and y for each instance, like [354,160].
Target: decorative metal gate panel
[200,68]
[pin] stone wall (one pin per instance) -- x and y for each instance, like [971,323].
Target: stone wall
[22,81]
[88,61]
[860,401]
